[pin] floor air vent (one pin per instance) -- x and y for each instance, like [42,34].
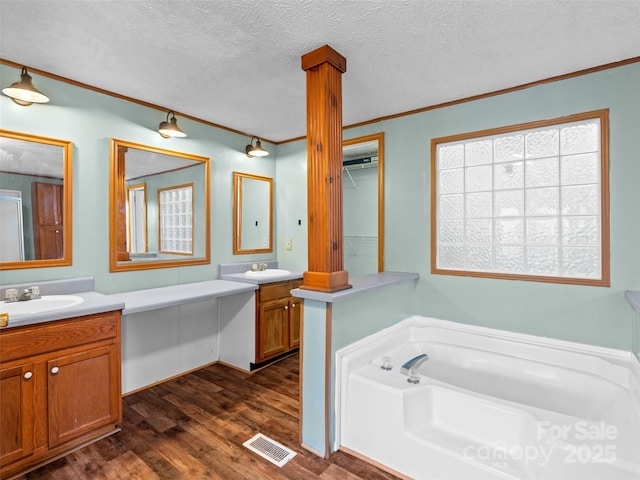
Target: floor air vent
[269,449]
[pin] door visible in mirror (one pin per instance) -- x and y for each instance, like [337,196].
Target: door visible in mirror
[137,218]
[252,213]
[35,201]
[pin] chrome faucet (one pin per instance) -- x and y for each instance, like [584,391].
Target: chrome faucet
[31,293]
[413,364]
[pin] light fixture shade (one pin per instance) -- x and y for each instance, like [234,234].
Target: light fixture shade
[255,150]
[169,128]
[23,92]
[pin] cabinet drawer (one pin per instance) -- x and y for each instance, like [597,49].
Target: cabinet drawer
[272,291]
[41,338]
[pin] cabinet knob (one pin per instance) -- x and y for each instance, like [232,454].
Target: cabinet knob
[293,305]
[28,375]
[286,307]
[54,370]
[57,231]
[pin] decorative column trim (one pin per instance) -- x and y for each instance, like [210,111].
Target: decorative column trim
[324,67]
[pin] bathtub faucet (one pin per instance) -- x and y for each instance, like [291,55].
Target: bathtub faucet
[414,363]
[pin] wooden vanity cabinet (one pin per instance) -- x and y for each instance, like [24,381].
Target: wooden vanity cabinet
[60,389]
[277,320]
[16,413]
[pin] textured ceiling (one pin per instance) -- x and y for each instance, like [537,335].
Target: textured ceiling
[237,62]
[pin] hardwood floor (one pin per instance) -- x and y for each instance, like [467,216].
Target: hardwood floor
[193,427]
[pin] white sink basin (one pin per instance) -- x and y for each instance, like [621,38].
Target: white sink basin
[268,273]
[44,304]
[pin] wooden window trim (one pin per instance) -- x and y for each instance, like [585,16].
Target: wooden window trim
[605,280]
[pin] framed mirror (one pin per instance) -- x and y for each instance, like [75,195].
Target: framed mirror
[159,208]
[363,204]
[252,213]
[35,201]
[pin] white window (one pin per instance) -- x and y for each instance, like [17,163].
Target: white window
[176,219]
[527,202]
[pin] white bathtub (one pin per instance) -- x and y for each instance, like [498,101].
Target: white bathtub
[490,404]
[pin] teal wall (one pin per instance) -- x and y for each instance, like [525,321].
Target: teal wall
[313,386]
[360,221]
[593,315]
[636,334]
[291,201]
[90,119]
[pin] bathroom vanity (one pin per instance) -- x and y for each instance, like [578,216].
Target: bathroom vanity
[277,320]
[60,385]
[275,331]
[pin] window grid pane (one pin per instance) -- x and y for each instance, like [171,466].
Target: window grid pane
[176,220]
[525,202]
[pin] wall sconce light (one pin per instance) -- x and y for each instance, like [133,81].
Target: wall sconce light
[169,128]
[255,150]
[23,92]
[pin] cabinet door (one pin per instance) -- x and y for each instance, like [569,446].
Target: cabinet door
[83,393]
[272,329]
[16,413]
[295,307]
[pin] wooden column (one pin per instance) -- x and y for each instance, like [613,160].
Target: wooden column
[324,67]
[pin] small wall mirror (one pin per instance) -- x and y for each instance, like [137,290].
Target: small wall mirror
[159,208]
[35,201]
[252,213]
[363,204]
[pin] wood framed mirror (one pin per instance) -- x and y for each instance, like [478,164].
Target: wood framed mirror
[35,201]
[159,208]
[363,204]
[252,214]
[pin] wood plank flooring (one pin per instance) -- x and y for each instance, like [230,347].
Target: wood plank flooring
[193,427]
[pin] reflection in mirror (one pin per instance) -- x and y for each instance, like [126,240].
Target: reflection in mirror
[252,213]
[363,204]
[159,208]
[35,201]
[137,218]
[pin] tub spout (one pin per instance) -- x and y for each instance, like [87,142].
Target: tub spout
[414,363]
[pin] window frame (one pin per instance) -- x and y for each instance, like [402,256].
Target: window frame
[605,278]
[161,238]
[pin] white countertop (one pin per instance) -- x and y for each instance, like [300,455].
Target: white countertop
[359,285]
[93,302]
[161,297]
[129,302]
